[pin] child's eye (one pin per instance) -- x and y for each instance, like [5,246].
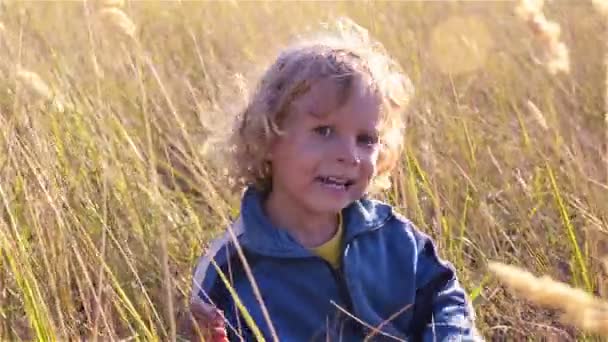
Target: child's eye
[324,131]
[367,140]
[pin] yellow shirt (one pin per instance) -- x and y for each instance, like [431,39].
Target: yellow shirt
[331,250]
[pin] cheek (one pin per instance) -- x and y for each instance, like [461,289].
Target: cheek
[306,153]
[287,148]
[296,155]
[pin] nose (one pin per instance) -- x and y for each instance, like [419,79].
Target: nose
[347,153]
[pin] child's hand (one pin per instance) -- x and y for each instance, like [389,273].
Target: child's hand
[209,323]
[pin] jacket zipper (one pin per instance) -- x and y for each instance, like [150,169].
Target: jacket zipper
[344,293]
[342,287]
[340,277]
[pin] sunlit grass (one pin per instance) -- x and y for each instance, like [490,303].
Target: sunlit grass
[111,173]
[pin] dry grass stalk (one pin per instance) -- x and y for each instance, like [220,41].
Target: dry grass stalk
[556,57]
[428,156]
[579,307]
[602,7]
[604,261]
[606,128]
[93,162]
[537,115]
[119,20]
[486,213]
[96,67]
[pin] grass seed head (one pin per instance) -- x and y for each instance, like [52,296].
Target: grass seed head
[555,53]
[558,58]
[34,82]
[537,115]
[119,20]
[526,9]
[579,307]
[601,6]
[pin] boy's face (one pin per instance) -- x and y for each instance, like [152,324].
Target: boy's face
[327,156]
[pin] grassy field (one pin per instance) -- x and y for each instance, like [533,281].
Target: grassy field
[111,171]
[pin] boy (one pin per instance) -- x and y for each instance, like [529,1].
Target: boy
[311,257]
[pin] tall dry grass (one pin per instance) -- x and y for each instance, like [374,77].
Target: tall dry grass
[111,182]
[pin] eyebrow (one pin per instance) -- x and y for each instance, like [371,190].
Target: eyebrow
[317,114]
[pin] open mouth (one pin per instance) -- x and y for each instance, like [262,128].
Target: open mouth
[335,182]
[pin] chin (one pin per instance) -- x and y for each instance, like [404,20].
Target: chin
[333,208]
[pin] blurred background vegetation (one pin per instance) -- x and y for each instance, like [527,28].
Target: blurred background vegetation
[111,183]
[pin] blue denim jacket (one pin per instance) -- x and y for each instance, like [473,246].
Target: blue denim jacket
[391,284]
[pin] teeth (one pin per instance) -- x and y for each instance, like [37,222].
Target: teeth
[335,186]
[336,180]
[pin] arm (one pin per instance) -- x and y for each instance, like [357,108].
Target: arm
[203,323]
[205,319]
[442,311]
[210,301]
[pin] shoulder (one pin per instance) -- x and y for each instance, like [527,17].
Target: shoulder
[217,254]
[394,224]
[388,219]
[430,266]
[418,236]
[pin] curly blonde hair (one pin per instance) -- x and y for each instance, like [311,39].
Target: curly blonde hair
[346,53]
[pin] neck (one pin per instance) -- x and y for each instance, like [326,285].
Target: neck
[309,228]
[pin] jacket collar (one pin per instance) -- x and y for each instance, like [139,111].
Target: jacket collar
[262,237]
